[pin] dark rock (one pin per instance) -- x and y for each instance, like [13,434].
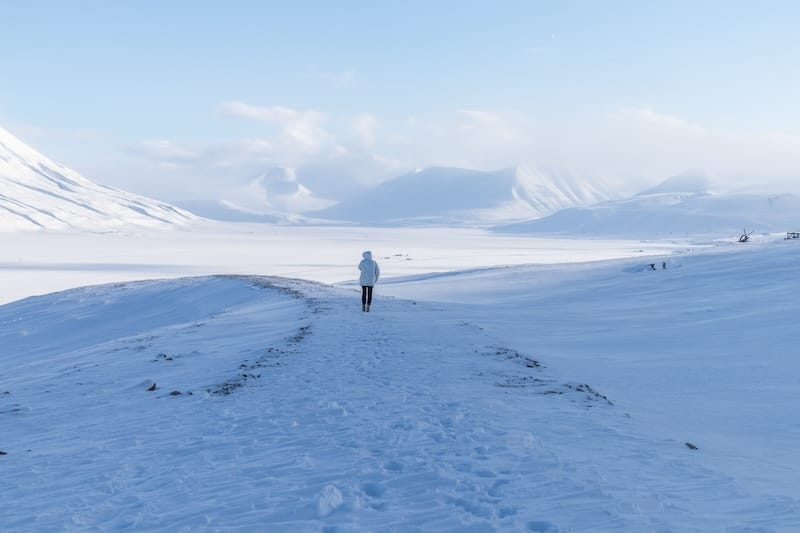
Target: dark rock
[152,387]
[175,393]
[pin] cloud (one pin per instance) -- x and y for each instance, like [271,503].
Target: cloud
[164,151]
[301,130]
[643,146]
[647,114]
[492,124]
[60,135]
[276,190]
[365,127]
[473,138]
[628,148]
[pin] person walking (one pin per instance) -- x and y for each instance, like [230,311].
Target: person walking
[370,272]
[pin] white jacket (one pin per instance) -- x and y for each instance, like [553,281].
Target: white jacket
[370,272]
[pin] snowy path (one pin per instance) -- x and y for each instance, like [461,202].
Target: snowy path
[307,415]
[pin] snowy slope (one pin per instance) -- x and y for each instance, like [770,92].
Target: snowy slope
[680,206]
[530,398]
[452,195]
[38,194]
[703,351]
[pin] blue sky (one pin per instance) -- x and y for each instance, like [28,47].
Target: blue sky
[147,95]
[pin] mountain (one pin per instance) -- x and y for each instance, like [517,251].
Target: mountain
[680,206]
[36,193]
[441,195]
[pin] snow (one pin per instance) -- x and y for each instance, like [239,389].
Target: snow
[498,384]
[221,377]
[38,194]
[44,262]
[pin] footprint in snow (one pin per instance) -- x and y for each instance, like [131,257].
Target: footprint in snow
[542,526]
[373,490]
[394,466]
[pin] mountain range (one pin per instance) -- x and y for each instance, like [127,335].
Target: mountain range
[37,193]
[442,195]
[680,206]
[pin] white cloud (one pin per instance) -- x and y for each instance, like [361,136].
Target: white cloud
[492,125]
[645,145]
[302,130]
[632,147]
[365,126]
[277,190]
[166,152]
[472,138]
[647,114]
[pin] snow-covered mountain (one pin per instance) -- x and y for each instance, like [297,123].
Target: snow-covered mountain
[680,206]
[441,195]
[37,193]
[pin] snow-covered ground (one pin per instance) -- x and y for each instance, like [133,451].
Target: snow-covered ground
[43,262]
[499,384]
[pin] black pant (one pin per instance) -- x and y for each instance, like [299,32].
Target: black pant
[366,295]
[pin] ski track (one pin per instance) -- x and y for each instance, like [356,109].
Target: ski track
[406,418]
